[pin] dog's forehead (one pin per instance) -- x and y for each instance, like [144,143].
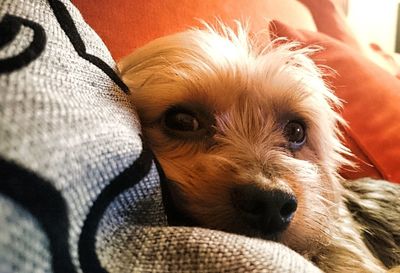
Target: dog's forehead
[280,97]
[273,82]
[282,94]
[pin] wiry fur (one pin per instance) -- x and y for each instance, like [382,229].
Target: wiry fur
[244,93]
[375,205]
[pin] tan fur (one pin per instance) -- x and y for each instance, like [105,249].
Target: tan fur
[249,90]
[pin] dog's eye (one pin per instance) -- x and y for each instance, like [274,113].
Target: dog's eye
[187,122]
[295,133]
[181,121]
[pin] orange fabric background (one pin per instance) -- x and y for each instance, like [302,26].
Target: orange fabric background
[372,95]
[127,24]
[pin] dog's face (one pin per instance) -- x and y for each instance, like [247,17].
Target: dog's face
[246,137]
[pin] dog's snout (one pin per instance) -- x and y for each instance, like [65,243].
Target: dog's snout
[269,211]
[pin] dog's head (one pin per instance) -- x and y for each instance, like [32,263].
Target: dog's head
[247,136]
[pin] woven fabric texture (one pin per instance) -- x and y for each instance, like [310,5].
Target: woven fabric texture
[78,192]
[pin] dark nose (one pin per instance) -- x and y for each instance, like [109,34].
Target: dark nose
[269,211]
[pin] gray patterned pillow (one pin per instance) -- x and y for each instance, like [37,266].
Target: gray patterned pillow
[78,192]
[69,144]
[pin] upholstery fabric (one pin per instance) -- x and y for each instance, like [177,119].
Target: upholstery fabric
[69,144]
[79,192]
[126,25]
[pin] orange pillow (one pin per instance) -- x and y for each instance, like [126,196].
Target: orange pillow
[372,103]
[330,19]
[125,24]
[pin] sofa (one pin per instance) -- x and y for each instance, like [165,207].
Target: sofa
[79,189]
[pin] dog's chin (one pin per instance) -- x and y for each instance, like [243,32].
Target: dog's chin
[303,244]
[254,233]
[308,245]
[177,216]
[182,218]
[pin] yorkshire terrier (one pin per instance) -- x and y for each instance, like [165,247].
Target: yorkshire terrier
[248,138]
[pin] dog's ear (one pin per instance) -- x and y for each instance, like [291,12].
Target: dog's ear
[152,58]
[135,68]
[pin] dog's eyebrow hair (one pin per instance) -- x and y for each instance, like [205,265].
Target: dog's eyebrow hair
[284,117]
[199,109]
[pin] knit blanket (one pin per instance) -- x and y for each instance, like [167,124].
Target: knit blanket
[79,192]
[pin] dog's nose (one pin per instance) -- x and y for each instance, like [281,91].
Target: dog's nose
[269,211]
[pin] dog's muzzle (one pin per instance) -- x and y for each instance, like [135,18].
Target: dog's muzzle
[267,211]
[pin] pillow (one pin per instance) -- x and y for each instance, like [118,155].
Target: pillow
[125,25]
[70,148]
[391,59]
[371,103]
[330,19]
[78,191]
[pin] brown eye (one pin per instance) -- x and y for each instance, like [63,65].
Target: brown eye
[295,133]
[180,121]
[187,122]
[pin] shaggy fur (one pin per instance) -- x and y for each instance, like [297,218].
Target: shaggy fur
[241,95]
[375,205]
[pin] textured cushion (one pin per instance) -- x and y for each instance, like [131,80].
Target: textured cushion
[372,99]
[70,146]
[78,192]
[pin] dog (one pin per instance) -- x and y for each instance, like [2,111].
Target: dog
[247,133]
